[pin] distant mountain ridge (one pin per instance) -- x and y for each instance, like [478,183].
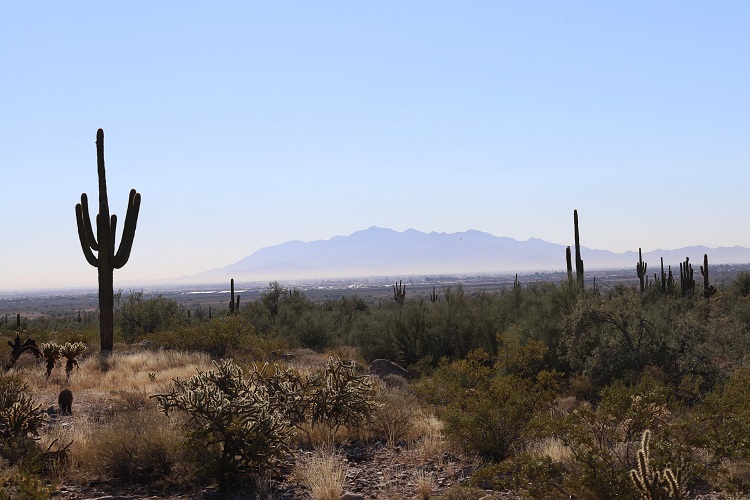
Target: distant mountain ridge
[384,252]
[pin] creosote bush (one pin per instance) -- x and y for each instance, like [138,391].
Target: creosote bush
[488,413]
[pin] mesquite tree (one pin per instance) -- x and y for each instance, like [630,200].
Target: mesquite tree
[107,259]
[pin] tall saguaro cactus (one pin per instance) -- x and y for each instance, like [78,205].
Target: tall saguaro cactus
[708,289]
[640,269]
[579,261]
[107,259]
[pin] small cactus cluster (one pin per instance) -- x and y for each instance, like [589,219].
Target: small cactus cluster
[653,484]
[52,352]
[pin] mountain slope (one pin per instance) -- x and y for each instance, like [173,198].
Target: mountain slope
[384,252]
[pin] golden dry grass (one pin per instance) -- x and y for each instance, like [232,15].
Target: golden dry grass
[110,406]
[323,472]
[424,483]
[553,448]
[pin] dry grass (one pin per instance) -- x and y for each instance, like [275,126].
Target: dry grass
[424,483]
[116,430]
[320,435]
[553,448]
[323,472]
[398,417]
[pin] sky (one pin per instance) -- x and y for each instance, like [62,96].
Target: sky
[248,124]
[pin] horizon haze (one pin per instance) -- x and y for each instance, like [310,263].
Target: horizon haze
[248,125]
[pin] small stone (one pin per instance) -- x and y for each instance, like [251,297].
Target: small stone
[351,496]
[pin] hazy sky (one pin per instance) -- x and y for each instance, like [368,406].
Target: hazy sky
[248,124]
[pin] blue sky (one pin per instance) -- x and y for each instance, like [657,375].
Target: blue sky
[248,124]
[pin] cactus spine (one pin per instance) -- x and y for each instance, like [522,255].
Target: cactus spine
[579,261]
[107,259]
[640,269]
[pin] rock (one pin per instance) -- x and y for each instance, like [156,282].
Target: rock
[351,496]
[383,368]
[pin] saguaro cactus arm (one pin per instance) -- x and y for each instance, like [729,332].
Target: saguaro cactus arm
[128,231]
[85,234]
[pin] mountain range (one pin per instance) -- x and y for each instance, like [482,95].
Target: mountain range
[379,251]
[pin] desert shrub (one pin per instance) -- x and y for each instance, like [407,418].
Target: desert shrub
[137,316]
[218,337]
[604,441]
[487,413]
[396,416]
[536,477]
[461,492]
[16,484]
[230,422]
[137,447]
[723,418]
[741,284]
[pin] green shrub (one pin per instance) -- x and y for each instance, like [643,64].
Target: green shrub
[487,413]
[137,316]
[741,284]
[218,337]
[605,439]
[536,477]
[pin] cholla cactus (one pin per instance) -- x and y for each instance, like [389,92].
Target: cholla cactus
[50,353]
[222,407]
[652,484]
[71,351]
[340,396]
[19,416]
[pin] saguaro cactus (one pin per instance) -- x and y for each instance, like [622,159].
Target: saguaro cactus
[579,261]
[708,289]
[234,307]
[640,268]
[687,283]
[107,259]
[569,264]
[399,293]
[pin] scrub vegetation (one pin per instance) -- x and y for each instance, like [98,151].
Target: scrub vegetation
[558,390]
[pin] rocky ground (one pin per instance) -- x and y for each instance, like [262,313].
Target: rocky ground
[374,472]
